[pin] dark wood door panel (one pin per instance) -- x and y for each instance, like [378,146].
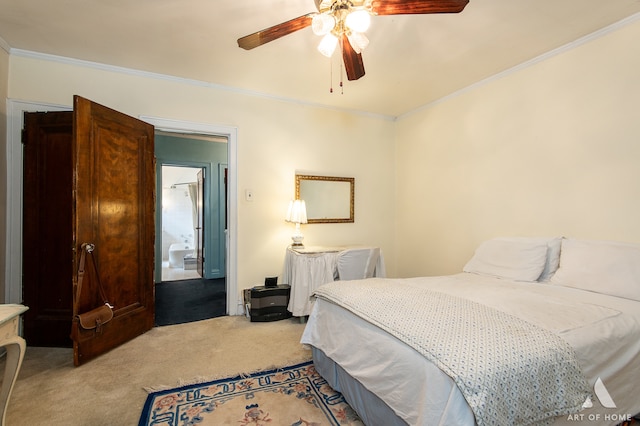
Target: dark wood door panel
[114,209]
[47,229]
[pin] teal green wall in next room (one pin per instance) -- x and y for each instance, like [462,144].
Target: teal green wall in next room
[212,157]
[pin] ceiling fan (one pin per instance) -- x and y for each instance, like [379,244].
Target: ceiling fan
[343,22]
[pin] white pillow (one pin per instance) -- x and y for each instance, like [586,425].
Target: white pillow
[516,260]
[606,267]
[553,253]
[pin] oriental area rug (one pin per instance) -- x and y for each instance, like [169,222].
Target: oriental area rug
[295,395]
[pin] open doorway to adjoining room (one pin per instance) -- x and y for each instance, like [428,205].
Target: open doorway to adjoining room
[227,173]
[181,231]
[191,227]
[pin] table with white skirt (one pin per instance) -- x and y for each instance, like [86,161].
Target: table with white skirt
[307,268]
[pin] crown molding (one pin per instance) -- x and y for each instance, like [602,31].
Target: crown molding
[147,74]
[531,62]
[4,45]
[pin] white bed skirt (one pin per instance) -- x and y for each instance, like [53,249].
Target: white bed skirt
[415,389]
[373,410]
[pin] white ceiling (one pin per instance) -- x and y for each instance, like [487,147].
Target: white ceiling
[412,60]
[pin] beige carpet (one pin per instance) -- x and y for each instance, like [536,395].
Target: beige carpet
[110,390]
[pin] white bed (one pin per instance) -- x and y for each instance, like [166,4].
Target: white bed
[592,303]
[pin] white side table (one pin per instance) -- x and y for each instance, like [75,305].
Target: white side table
[305,270]
[15,347]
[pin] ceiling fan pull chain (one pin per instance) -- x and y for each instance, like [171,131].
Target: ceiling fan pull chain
[331,75]
[341,78]
[341,66]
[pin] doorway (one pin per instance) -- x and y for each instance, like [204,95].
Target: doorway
[13,269]
[191,281]
[182,220]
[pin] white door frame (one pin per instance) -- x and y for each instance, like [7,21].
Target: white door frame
[15,123]
[231,133]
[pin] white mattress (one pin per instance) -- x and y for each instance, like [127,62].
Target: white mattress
[603,330]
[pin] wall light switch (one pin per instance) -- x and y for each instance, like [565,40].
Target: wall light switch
[248,195]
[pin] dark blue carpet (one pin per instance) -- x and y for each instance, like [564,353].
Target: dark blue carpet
[179,302]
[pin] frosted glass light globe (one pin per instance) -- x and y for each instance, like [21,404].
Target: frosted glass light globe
[328,45]
[358,21]
[322,24]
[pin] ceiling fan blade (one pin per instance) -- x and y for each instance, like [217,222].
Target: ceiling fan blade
[272,33]
[352,61]
[406,7]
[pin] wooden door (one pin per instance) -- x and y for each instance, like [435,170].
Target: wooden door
[47,258]
[200,223]
[113,208]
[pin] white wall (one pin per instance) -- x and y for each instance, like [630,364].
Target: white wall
[275,138]
[551,149]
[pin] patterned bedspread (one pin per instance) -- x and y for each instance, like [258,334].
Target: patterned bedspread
[510,372]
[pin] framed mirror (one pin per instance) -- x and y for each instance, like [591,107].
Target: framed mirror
[329,199]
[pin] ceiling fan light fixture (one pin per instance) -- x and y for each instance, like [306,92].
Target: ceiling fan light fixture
[322,24]
[358,20]
[344,22]
[328,45]
[358,41]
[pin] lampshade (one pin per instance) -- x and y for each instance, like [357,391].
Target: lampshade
[297,212]
[358,21]
[328,45]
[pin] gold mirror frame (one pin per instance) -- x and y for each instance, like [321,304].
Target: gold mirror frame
[327,198]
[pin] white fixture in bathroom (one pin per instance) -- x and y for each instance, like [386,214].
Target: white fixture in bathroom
[177,253]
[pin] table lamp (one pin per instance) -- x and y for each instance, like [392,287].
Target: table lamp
[297,213]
